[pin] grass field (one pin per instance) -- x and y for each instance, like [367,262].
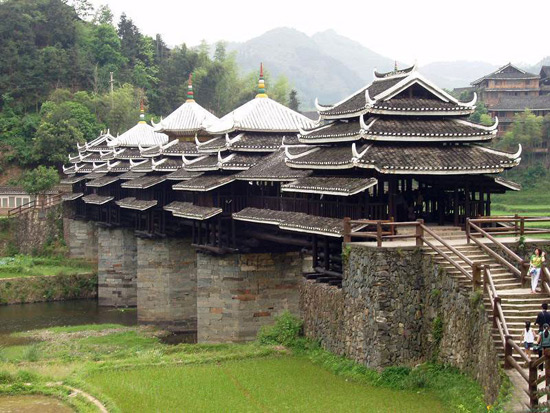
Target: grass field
[130,369]
[27,266]
[276,383]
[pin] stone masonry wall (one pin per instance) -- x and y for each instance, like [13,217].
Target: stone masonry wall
[117,269]
[167,283]
[237,294]
[384,315]
[36,228]
[81,238]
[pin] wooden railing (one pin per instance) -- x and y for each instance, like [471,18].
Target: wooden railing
[475,231]
[37,203]
[386,231]
[511,347]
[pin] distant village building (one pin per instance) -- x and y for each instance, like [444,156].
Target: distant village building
[14,197]
[510,90]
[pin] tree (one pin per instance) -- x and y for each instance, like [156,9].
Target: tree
[293,102]
[103,15]
[39,180]
[480,109]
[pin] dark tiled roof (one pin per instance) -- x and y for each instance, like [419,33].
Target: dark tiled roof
[137,204]
[204,183]
[272,168]
[85,167]
[182,175]
[72,179]
[94,175]
[97,199]
[293,221]
[190,211]
[241,161]
[508,71]
[99,148]
[129,153]
[520,103]
[181,148]
[544,72]
[144,182]
[209,163]
[258,142]
[146,166]
[131,175]
[331,185]
[169,164]
[417,105]
[121,166]
[12,190]
[333,156]
[212,145]
[338,129]
[71,196]
[103,181]
[411,158]
[92,157]
[155,150]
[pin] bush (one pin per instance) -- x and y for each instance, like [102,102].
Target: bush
[286,331]
[394,377]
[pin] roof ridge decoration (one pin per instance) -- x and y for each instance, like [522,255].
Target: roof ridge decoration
[513,156]
[221,160]
[230,141]
[190,94]
[155,164]
[261,84]
[358,155]
[141,112]
[288,155]
[190,162]
[395,73]
[492,128]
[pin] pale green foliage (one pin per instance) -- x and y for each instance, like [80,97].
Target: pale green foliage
[40,180]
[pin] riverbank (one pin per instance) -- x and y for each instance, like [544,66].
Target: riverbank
[112,362]
[34,289]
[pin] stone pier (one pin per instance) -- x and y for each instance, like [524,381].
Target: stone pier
[239,293]
[117,267]
[81,238]
[167,283]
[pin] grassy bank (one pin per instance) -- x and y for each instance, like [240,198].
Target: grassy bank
[130,369]
[27,289]
[28,266]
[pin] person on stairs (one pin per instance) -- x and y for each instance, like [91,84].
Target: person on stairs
[544,342]
[542,318]
[529,338]
[535,267]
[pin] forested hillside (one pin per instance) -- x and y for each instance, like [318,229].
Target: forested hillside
[55,78]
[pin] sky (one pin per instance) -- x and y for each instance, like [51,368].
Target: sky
[424,31]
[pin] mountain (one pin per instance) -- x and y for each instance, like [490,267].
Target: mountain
[459,73]
[326,65]
[353,54]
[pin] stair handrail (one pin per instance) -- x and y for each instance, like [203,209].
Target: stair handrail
[545,279]
[521,273]
[509,345]
[50,201]
[474,277]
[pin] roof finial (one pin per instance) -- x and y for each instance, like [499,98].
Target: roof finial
[261,83]
[190,94]
[395,66]
[142,112]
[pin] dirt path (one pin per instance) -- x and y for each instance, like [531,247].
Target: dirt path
[89,397]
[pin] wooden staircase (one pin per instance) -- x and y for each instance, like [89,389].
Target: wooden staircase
[518,304]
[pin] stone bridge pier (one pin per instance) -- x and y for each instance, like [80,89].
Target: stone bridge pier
[239,293]
[117,267]
[167,283]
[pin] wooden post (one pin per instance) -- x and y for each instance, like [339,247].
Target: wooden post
[378,233]
[496,302]
[476,275]
[467,230]
[485,278]
[522,226]
[533,399]
[314,252]
[508,352]
[516,224]
[419,232]
[546,369]
[347,230]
